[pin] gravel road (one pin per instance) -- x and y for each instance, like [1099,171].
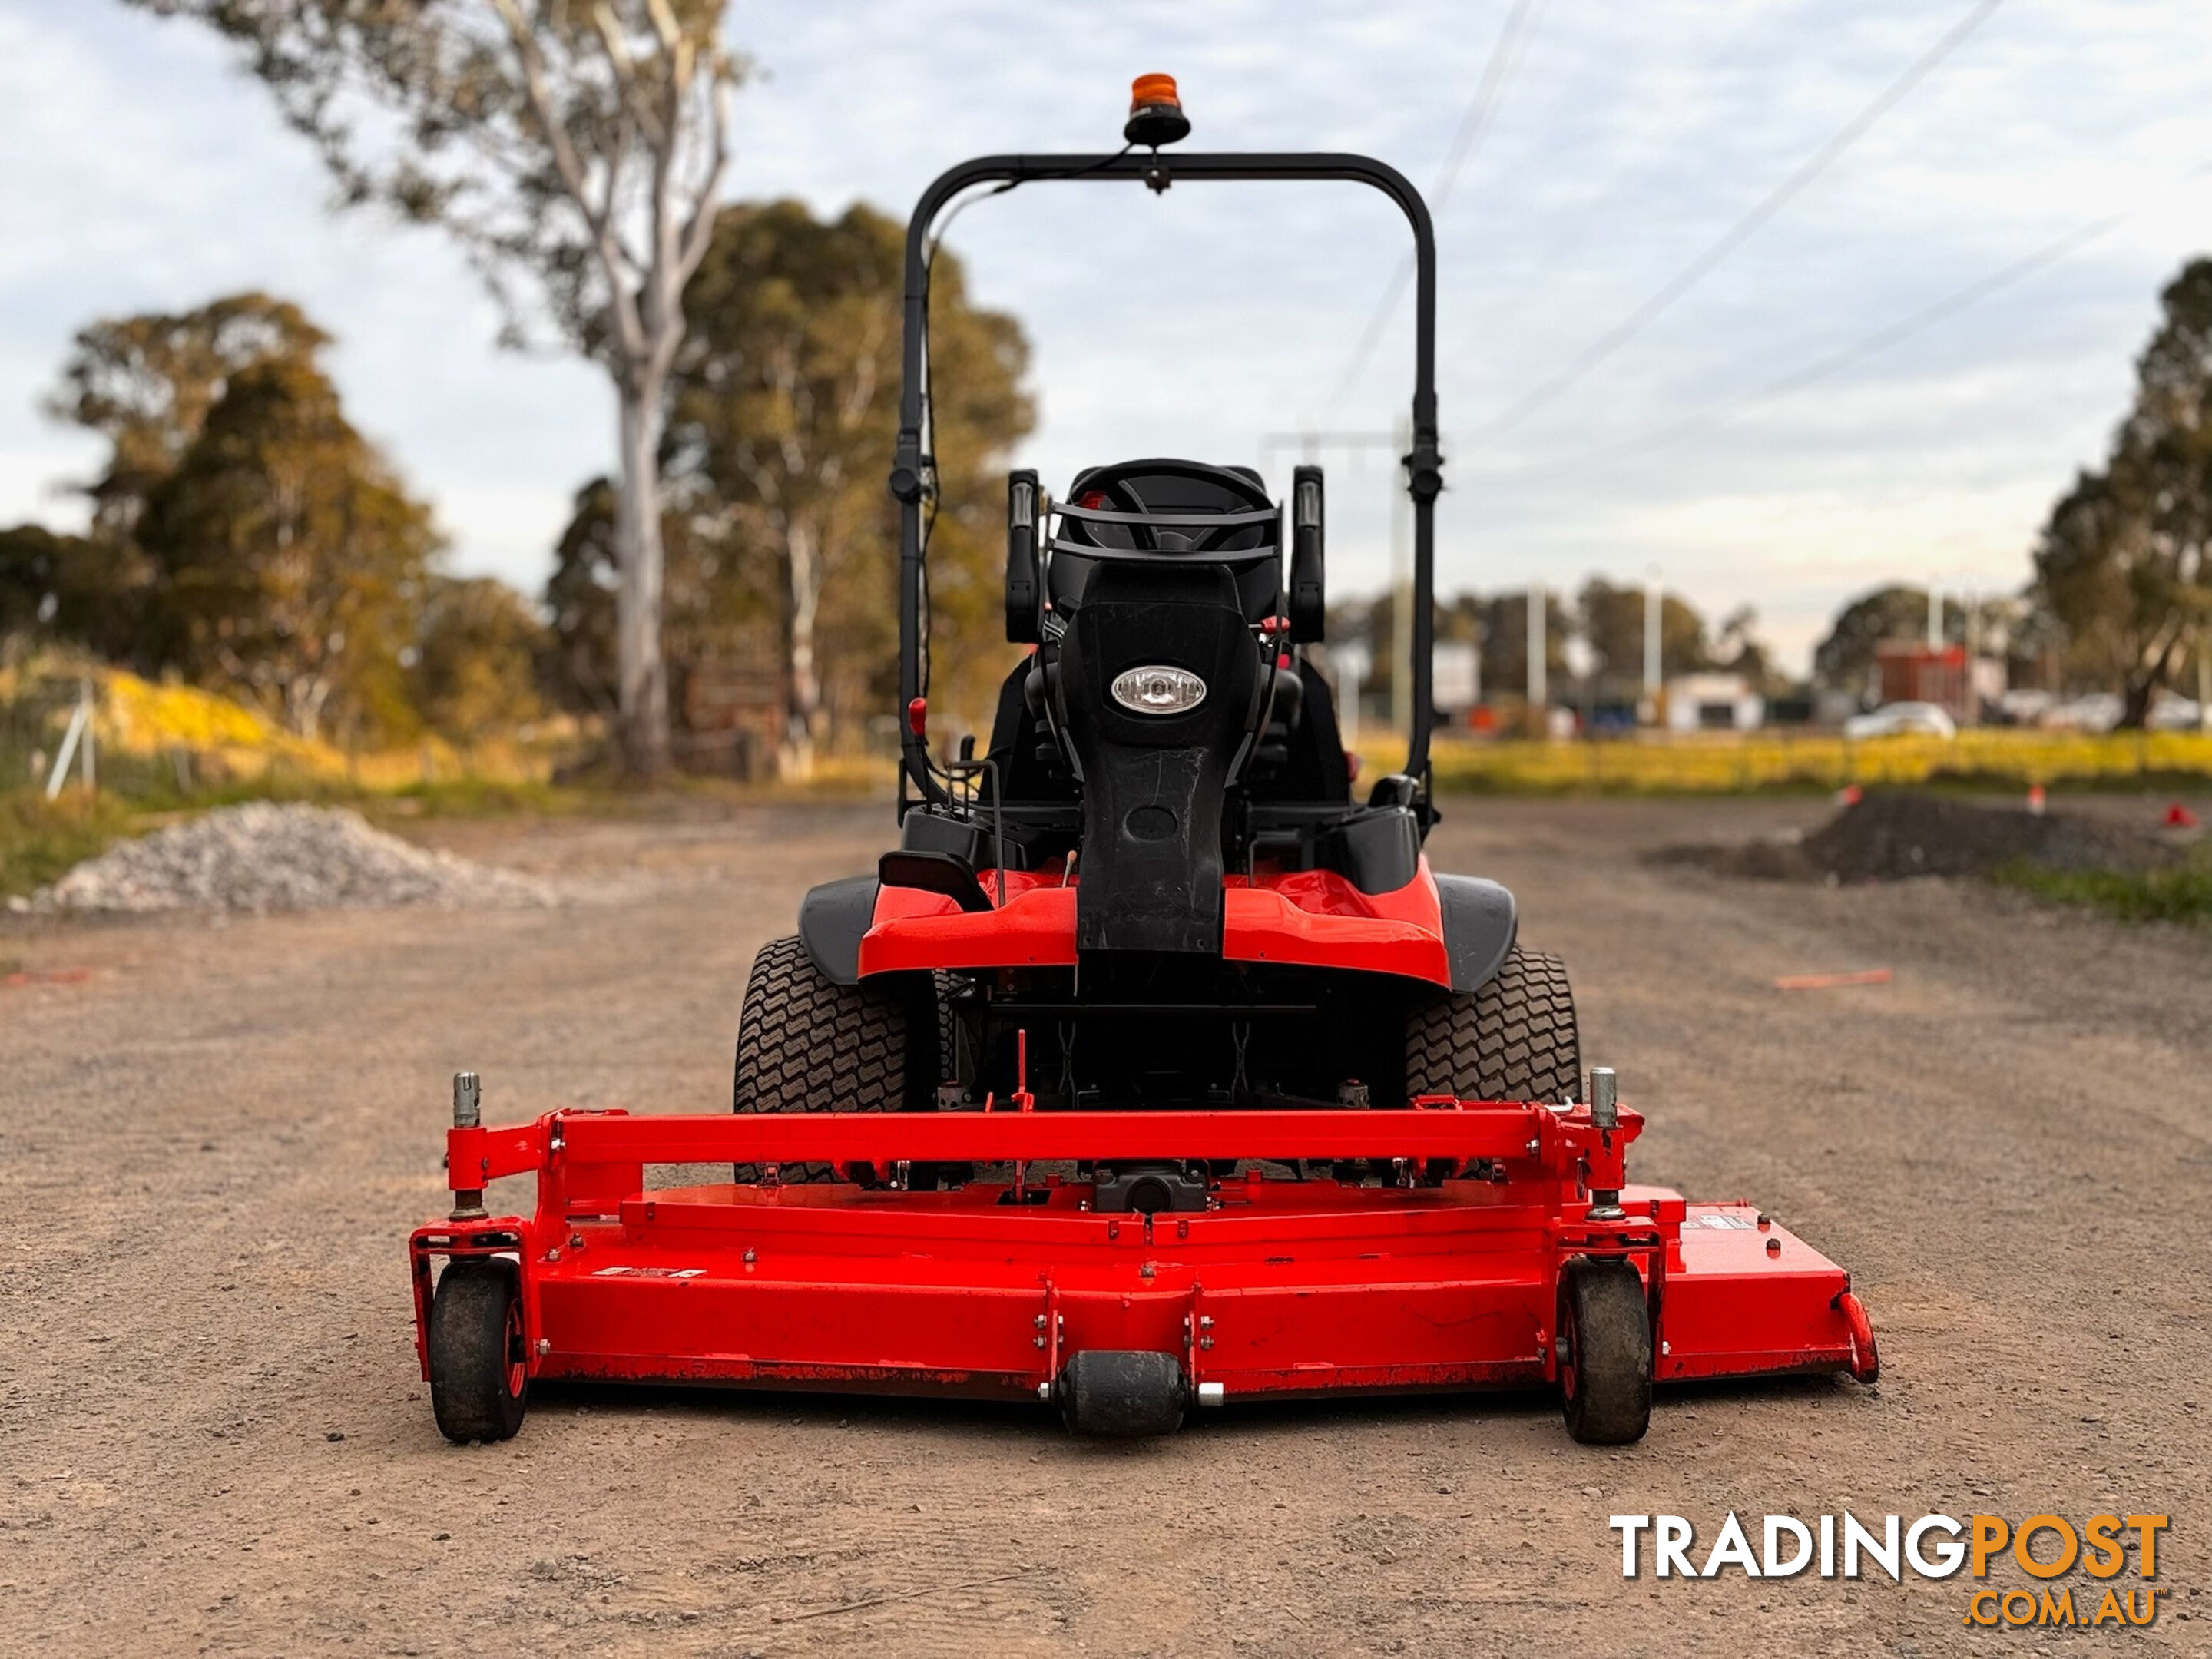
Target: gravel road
[213,1140]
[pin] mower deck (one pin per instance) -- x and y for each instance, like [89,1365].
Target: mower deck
[1280,1286]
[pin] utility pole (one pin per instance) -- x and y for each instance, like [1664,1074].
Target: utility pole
[1653,603]
[1971,700]
[1539,638]
[1308,443]
[1934,617]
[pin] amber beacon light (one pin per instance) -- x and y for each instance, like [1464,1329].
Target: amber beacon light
[1156,116]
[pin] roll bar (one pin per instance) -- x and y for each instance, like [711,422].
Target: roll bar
[914,471]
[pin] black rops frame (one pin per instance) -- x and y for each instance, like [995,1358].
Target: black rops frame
[913,473]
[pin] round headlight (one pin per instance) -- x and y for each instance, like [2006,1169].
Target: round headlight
[1159,691]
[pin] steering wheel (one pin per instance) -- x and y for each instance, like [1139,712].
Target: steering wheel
[1122,495]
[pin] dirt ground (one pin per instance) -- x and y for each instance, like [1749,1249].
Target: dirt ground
[213,1439]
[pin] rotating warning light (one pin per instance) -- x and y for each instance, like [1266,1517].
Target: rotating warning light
[1156,116]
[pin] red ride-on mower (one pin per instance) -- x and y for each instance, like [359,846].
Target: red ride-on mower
[1153,1069]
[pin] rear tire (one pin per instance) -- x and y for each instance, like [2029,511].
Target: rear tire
[479,1366]
[1513,1039]
[1605,1365]
[808,1044]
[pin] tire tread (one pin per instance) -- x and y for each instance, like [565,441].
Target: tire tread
[468,1358]
[1612,1325]
[1515,1038]
[808,1044]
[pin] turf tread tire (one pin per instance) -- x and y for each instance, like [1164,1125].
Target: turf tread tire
[470,1339]
[1513,1039]
[808,1044]
[1605,1383]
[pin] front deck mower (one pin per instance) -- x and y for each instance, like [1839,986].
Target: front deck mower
[1154,1068]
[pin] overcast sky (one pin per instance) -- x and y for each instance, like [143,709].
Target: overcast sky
[141,173]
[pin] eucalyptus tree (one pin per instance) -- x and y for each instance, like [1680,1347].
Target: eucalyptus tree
[575,151]
[2124,561]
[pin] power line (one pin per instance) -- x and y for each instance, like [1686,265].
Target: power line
[1497,74]
[1647,160]
[1745,228]
[1719,413]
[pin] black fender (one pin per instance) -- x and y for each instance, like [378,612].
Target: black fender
[831,918]
[1480,924]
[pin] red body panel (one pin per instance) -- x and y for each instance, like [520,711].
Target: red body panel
[1280,1286]
[1310,918]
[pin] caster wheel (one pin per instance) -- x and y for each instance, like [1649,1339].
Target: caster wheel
[479,1368]
[1605,1362]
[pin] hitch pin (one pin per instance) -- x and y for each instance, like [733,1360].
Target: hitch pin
[468,1114]
[1605,1113]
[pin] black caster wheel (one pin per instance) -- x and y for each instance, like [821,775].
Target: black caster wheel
[1605,1352]
[479,1368]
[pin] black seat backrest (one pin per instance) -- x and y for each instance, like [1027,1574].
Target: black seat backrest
[1153,784]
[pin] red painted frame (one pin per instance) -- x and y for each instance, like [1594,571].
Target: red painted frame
[1307,918]
[1281,1286]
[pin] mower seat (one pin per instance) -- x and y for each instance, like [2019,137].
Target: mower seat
[1154,783]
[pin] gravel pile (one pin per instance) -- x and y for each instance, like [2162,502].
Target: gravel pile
[1884,837]
[261,856]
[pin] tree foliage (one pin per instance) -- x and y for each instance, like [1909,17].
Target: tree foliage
[1610,620]
[247,536]
[571,146]
[64,586]
[715,607]
[2124,561]
[782,414]
[476,657]
[146,383]
[575,148]
[1737,649]
[1845,658]
[289,560]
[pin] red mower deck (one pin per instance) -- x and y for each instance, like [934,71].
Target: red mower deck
[1281,1286]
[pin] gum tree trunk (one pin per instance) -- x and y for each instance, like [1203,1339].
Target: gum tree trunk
[641,673]
[804,725]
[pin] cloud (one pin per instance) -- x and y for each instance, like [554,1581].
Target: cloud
[144,173]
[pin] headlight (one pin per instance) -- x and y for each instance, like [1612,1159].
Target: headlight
[1159,691]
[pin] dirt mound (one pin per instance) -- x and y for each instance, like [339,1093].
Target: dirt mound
[260,857]
[1891,836]
[1764,860]
[1883,837]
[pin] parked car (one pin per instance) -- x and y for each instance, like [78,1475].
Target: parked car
[2171,712]
[1898,720]
[2097,711]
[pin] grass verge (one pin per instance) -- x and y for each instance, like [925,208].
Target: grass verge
[39,839]
[2183,893]
[1783,762]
